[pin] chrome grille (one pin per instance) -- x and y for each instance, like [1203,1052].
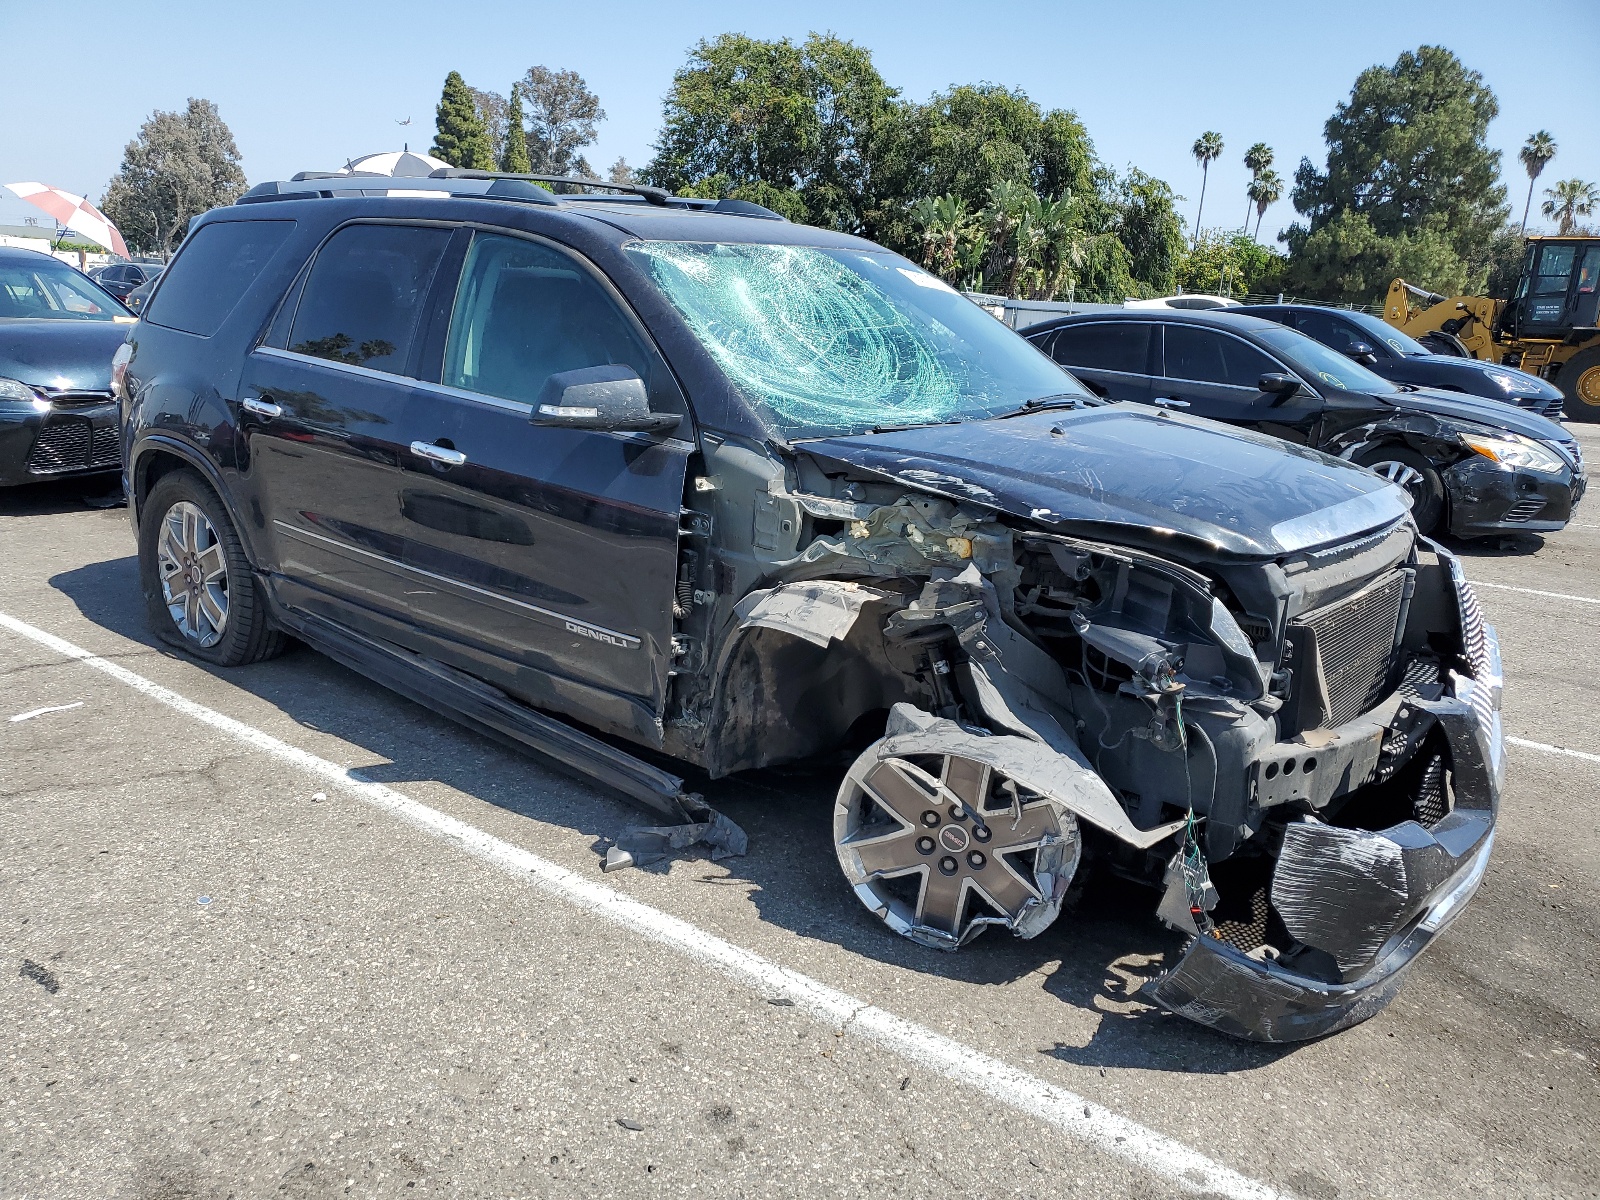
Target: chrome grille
[1525,510]
[1355,646]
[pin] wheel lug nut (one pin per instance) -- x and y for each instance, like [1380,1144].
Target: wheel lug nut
[930,819]
[976,860]
[924,845]
[957,813]
[947,865]
[982,833]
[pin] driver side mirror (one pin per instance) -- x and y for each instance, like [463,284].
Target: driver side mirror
[1276,383]
[1362,353]
[608,398]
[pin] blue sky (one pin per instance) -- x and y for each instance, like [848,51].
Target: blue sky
[307,85]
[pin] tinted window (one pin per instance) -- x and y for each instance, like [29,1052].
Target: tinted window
[1330,330]
[525,312]
[1206,356]
[216,266]
[1106,346]
[363,297]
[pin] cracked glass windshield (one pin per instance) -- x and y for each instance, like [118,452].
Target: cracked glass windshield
[828,341]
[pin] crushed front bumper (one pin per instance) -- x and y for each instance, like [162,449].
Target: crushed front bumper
[1370,902]
[1488,499]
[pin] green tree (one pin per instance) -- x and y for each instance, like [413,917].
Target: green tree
[1232,264]
[178,166]
[1146,221]
[1207,149]
[621,172]
[1538,150]
[1265,190]
[785,125]
[563,118]
[1407,153]
[1569,200]
[1259,159]
[495,113]
[515,158]
[460,138]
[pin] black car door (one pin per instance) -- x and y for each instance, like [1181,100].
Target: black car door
[551,553]
[1214,373]
[1112,358]
[326,412]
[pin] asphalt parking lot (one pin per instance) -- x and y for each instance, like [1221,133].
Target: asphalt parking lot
[276,932]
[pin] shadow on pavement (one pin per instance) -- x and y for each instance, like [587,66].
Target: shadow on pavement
[61,496]
[1094,957]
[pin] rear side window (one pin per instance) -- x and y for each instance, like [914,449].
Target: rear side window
[1107,346]
[526,312]
[1206,356]
[365,293]
[216,266]
[1329,330]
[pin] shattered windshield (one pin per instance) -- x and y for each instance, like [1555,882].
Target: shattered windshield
[827,341]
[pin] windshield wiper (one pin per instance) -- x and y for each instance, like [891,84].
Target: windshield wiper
[912,425]
[1041,403]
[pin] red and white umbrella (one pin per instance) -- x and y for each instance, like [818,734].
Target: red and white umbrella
[74,212]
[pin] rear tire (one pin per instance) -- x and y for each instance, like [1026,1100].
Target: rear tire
[199,591]
[1579,381]
[1412,471]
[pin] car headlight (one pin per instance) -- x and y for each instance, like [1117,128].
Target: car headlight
[16,390]
[1513,450]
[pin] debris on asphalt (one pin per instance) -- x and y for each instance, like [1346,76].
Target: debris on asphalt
[318,797]
[43,976]
[39,712]
[202,900]
[780,1001]
[641,845]
[629,1124]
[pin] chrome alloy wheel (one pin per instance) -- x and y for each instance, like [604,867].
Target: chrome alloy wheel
[941,846]
[194,574]
[1404,474]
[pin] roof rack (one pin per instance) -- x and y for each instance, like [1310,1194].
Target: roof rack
[654,195]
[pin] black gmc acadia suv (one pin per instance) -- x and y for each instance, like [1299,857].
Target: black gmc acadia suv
[593,470]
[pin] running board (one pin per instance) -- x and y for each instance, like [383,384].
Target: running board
[487,710]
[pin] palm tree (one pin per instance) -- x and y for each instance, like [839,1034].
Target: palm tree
[1258,158]
[1569,200]
[1265,190]
[1536,151]
[1207,149]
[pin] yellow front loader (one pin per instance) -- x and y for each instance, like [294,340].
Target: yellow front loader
[1548,327]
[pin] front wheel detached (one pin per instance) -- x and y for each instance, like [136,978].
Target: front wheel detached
[941,846]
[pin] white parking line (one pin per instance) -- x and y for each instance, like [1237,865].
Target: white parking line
[1549,749]
[1098,1127]
[1506,587]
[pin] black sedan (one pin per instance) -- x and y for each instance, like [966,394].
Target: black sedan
[58,334]
[1473,467]
[1400,358]
[121,278]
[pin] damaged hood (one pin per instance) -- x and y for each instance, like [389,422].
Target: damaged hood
[1138,475]
[1479,410]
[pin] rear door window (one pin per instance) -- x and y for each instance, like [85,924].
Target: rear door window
[1105,346]
[526,311]
[363,298]
[216,266]
[1206,356]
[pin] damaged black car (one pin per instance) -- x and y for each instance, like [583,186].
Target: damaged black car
[1474,467]
[623,476]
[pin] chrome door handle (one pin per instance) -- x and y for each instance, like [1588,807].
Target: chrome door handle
[261,407]
[438,454]
[1169,402]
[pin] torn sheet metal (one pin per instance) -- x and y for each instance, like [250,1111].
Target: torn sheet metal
[822,611]
[642,845]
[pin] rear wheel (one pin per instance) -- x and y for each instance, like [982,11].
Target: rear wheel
[199,591]
[1412,471]
[1580,384]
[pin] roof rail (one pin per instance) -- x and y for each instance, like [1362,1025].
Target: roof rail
[654,195]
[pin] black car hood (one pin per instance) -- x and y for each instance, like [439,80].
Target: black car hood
[1136,475]
[66,355]
[1479,411]
[1435,370]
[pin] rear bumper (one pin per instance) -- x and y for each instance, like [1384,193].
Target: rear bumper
[1369,903]
[80,440]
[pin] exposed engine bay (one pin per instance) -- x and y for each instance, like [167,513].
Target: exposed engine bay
[1299,752]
